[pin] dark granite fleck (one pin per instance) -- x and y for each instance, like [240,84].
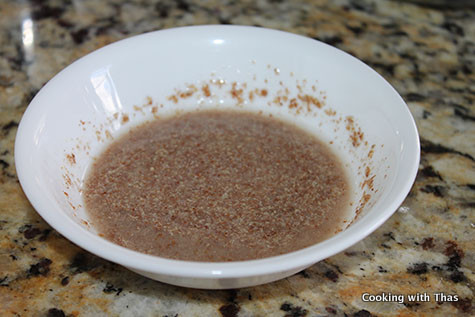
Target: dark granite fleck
[103,29]
[111,289]
[429,171]
[443,5]
[65,281]
[453,72]
[330,40]
[463,114]
[304,274]
[458,90]
[387,68]
[466,70]
[464,304]
[54,312]
[40,268]
[64,23]
[7,127]
[331,275]
[427,243]
[385,246]
[471,186]
[390,235]
[24,228]
[436,268]
[433,189]
[80,35]
[6,81]
[363,254]
[455,255]
[390,26]
[4,164]
[182,5]
[454,28]
[84,262]
[28,97]
[457,277]
[417,74]
[292,310]
[398,33]
[407,56]
[430,147]
[229,310]
[355,29]
[162,9]
[337,268]
[17,61]
[470,204]
[30,233]
[418,268]
[330,310]
[44,235]
[45,11]
[362,6]
[411,305]
[362,313]
[413,96]
[382,270]
[3,280]
[232,295]
[224,21]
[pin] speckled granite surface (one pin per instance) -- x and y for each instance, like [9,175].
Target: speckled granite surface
[428,54]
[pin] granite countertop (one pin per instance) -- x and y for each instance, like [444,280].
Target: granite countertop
[426,51]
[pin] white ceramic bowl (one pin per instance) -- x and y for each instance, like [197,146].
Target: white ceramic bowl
[321,88]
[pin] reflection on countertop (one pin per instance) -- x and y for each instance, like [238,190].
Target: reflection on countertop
[426,52]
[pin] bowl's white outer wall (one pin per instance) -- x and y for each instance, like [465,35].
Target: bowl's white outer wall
[34,150]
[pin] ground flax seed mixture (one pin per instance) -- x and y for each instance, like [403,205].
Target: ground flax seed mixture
[217,186]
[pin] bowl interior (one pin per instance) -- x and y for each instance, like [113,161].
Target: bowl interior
[322,89]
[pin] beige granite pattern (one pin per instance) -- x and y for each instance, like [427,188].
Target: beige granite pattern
[426,51]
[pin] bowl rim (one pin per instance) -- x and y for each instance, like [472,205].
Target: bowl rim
[214,270]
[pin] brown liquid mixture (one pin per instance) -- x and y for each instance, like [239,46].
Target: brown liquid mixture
[217,186]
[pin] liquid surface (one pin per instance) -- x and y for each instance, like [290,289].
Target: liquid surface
[217,186]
